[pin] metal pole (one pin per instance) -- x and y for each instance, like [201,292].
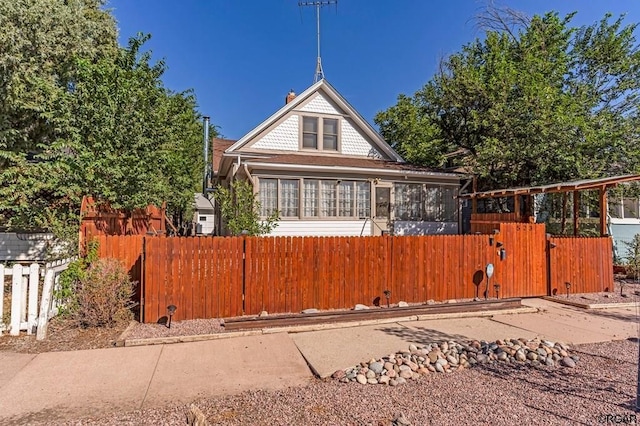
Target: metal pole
[205,175]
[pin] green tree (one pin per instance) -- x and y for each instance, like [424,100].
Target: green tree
[39,43]
[83,116]
[240,210]
[534,101]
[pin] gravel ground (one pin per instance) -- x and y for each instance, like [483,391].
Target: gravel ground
[603,383]
[623,292]
[179,328]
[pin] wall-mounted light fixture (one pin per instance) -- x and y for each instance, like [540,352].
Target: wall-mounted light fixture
[492,237]
[503,253]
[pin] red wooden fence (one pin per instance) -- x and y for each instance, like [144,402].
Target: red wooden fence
[126,248]
[202,276]
[585,263]
[207,277]
[99,220]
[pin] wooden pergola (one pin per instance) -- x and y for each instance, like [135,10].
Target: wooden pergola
[575,187]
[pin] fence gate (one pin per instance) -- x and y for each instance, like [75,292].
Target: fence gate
[580,264]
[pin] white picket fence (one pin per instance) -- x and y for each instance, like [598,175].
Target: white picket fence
[25,296]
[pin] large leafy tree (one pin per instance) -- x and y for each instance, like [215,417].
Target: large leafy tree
[534,101]
[81,116]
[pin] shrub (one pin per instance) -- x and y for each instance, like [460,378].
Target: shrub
[104,294]
[65,292]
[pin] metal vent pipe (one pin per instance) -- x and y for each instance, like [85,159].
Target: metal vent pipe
[205,177]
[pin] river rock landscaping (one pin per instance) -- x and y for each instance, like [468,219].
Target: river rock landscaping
[446,357]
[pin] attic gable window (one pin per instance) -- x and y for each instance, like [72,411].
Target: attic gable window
[320,133]
[330,134]
[310,132]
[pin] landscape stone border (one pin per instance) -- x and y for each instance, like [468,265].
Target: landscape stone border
[446,357]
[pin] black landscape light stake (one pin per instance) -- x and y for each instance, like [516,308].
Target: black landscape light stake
[387,294]
[568,285]
[496,287]
[171,309]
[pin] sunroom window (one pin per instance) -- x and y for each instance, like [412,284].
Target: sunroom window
[315,198]
[431,203]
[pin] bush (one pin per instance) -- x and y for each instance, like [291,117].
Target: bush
[66,290]
[104,295]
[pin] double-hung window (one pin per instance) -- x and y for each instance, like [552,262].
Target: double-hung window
[279,194]
[268,196]
[310,132]
[320,133]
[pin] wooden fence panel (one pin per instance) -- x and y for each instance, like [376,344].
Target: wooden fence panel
[584,262]
[206,277]
[201,276]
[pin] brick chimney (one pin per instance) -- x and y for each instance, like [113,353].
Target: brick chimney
[290,96]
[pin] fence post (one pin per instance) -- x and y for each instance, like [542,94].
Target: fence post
[34,277]
[143,271]
[1,299]
[47,293]
[16,300]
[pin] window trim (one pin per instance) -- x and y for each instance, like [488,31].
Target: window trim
[320,133]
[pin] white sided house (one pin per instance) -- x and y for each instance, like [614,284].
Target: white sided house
[329,173]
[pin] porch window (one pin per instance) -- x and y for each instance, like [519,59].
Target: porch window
[431,203]
[289,194]
[310,132]
[315,198]
[310,198]
[363,199]
[408,201]
[268,196]
[328,197]
[346,199]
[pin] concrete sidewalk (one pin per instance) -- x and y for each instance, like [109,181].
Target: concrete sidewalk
[56,386]
[59,386]
[329,350]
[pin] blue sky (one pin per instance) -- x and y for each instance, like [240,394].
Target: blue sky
[241,57]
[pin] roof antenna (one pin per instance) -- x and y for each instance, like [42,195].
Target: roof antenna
[319,75]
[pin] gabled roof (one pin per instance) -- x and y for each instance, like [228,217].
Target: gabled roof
[341,102]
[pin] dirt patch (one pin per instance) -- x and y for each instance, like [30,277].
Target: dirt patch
[62,335]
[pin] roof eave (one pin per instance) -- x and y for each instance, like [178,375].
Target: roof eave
[362,170]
